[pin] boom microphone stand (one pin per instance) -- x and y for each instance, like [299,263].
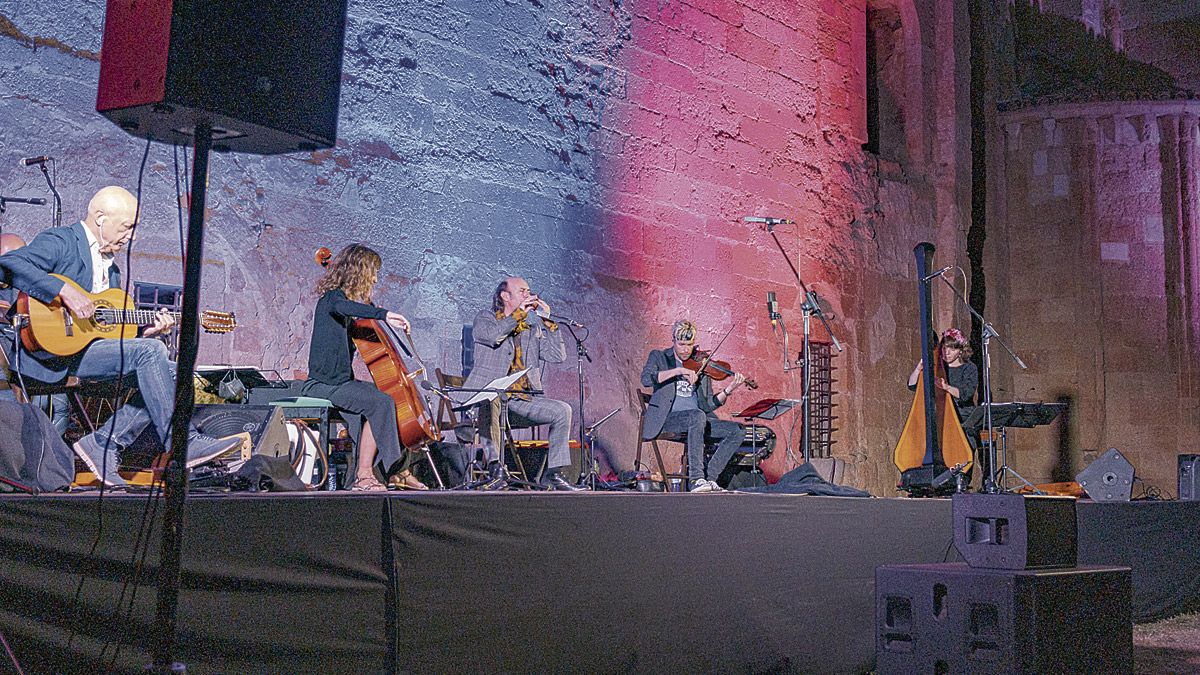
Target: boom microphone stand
[991,483]
[810,307]
[588,470]
[56,216]
[586,459]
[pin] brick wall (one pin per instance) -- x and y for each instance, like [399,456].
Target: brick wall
[605,150]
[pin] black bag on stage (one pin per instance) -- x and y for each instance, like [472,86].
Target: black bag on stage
[264,473]
[804,480]
[32,454]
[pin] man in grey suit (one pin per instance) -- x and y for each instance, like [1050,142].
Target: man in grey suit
[684,403]
[517,333]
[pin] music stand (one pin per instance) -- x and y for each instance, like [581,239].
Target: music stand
[498,389]
[1016,415]
[764,409]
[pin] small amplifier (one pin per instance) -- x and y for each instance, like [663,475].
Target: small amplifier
[1189,484]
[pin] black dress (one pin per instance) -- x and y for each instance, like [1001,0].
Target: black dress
[331,373]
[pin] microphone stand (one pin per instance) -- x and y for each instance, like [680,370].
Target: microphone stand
[810,307]
[587,456]
[506,479]
[56,216]
[992,481]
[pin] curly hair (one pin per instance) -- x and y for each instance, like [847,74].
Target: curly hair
[954,337]
[352,270]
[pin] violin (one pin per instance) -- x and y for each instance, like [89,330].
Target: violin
[702,363]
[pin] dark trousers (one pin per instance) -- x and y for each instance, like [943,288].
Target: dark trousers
[698,427]
[364,398]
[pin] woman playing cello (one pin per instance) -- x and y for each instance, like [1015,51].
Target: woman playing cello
[345,296]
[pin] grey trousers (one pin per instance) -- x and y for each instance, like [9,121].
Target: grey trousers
[535,412]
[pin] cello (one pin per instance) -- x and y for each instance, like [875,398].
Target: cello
[933,444]
[385,353]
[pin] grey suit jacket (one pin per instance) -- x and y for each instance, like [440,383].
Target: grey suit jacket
[664,392]
[495,345]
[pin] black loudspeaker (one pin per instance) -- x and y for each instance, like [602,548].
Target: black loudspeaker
[1189,485]
[1015,532]
[264,423]
[1109,478]
[266,75]
[951,618]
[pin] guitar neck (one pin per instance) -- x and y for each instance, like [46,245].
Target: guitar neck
[135,317]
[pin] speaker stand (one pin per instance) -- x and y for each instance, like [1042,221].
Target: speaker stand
[175,475]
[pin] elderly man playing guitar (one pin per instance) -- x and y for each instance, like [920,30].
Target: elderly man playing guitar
[84,253]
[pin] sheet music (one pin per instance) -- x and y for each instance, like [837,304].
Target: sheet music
[503,382]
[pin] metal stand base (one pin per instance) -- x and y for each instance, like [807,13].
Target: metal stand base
[501,480]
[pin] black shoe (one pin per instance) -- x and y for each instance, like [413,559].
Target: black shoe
[556,482]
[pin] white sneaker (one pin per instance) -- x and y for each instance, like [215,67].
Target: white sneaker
[703,485]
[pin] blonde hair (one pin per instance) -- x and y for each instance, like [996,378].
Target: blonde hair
[683,330]
[352,270]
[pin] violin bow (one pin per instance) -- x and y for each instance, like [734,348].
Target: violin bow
[712,354]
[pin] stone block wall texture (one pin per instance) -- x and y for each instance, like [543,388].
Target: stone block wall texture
[1162,33]
[605,150]
[1103,301]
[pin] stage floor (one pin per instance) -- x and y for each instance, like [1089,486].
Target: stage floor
[489,582]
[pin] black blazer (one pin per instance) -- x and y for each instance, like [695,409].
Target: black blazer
[664,392]
[58,250]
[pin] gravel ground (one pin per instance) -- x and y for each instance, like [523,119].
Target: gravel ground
[1168,646]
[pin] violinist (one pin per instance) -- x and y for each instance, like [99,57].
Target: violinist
[684,402]
[345,296]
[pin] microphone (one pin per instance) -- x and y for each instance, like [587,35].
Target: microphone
[33,161]
[567,320]
[938,273]
[772,309]
[768,221]
[428,386]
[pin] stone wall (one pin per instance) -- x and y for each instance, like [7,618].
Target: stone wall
[605,150]
[1102,301]
[1162,33]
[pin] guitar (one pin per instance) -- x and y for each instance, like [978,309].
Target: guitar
[52,327]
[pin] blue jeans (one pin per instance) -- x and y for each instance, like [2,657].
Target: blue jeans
[146,360]
[699,427]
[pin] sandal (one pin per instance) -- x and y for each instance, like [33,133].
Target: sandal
[367,485]
[405,480]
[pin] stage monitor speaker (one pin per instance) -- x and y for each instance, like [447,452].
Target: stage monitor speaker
[1189,483]
[1015,532]
[264,423]
[265,75]
[951,618]
[1109,478]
